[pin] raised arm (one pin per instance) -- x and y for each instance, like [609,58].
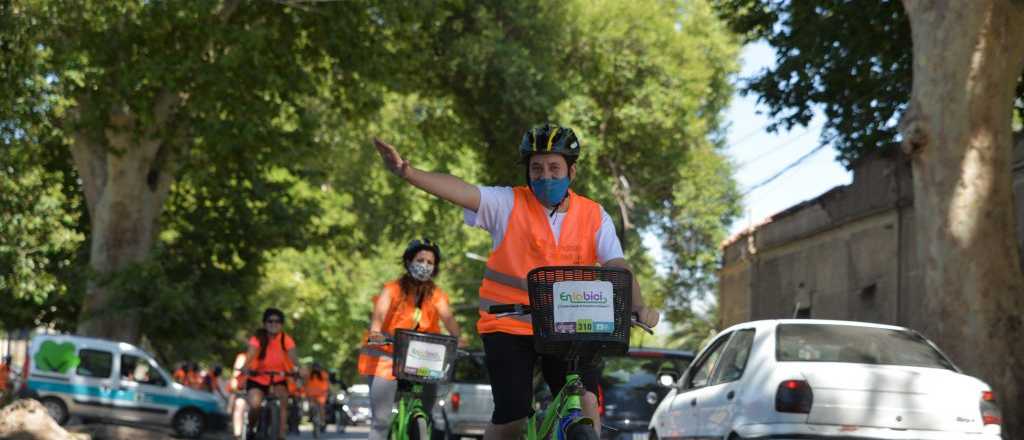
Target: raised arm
[445,186]
[646,314]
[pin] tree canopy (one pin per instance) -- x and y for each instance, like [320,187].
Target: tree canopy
[255,120]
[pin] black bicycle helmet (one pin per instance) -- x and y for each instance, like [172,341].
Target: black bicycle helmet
[550,138]
[422,244]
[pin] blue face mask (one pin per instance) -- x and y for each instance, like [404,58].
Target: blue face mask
[550,192]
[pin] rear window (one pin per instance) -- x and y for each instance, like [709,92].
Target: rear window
[855,344]
[470,369]
[638,372]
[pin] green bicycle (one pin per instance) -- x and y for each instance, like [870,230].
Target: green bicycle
[579,314]
[421,359]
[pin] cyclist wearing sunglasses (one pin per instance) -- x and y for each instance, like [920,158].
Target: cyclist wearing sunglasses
[271,352]
[412,302]
[542,223]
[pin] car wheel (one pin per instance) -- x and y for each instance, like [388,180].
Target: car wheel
[189,423]
[58,411]
[734,436]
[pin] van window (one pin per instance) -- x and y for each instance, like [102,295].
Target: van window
[138,369]
[95,363]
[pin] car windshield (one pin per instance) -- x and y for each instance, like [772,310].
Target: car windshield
[638,372]
[856,344]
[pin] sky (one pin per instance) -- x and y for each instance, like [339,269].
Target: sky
[759,154]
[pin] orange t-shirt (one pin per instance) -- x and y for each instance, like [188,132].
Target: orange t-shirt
[276,358]
[317,385]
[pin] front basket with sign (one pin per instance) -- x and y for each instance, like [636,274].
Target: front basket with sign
[580,309]
[423,357]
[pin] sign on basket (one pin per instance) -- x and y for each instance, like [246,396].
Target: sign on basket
[584,307]
[424,359]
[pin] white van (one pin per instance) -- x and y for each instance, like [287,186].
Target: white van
[101,379]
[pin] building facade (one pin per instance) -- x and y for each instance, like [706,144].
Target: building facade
[847,254]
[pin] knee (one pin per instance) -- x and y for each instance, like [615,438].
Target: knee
[589,398]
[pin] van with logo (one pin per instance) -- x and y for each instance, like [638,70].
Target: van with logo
[98,379]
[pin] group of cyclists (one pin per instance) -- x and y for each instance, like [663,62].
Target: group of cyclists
[541,223]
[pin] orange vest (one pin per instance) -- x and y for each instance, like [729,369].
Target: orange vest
[5,371]
[376,360]
[528,244]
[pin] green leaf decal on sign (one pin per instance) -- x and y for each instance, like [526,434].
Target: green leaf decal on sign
[59,358]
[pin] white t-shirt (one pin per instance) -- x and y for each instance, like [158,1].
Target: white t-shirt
[496,204]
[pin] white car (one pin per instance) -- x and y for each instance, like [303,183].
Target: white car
[801,378]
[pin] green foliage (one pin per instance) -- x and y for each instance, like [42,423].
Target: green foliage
[279,199]
[851,58]
[652,83]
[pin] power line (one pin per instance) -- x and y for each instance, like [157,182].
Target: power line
[792,165]
[780,147]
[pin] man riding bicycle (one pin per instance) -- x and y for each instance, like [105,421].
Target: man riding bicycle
[271,355]
[541,224]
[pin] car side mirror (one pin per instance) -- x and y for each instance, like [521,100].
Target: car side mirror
[667,378]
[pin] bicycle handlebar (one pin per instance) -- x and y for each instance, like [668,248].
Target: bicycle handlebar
[250,372]
[502,310]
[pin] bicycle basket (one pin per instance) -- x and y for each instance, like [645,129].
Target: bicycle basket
[580,310]
[423,357]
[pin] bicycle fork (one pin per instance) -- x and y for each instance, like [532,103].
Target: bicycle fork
[567,411]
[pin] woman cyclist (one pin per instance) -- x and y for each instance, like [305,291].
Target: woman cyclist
[317,387]
[411,302]
[270,351]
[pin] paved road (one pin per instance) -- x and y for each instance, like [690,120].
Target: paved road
[351,432]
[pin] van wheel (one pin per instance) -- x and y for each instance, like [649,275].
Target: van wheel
[189,423]
[58,411]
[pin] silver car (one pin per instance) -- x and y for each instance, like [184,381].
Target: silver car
[464,405]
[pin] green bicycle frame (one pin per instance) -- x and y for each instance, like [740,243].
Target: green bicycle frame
[409,406]
[565,402]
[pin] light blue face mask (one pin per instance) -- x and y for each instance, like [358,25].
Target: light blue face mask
[550,192]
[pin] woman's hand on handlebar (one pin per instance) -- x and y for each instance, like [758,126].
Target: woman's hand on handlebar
[378,338]
[647,315]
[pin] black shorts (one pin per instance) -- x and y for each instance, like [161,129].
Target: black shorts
[265,388]
[510,363]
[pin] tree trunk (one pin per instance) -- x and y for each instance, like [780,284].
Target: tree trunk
[967,60]
[26,419]
[126,177]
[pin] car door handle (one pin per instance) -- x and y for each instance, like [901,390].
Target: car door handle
[693,402]
[730,395]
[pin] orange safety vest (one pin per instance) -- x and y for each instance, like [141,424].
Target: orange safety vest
[528,244]
[376,360]
[5,371]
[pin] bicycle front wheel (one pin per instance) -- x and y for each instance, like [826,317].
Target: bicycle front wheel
[418,428]
[581,431]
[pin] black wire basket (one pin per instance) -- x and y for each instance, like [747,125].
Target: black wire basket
[423,357]
[607,335]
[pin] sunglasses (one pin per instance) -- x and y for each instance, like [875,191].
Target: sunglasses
[273,321]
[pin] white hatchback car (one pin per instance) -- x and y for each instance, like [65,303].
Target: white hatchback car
[801,378]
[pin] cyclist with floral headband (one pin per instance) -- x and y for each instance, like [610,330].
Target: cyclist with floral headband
[542,223]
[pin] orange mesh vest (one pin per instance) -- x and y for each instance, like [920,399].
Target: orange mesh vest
[528,244]
[376,360]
